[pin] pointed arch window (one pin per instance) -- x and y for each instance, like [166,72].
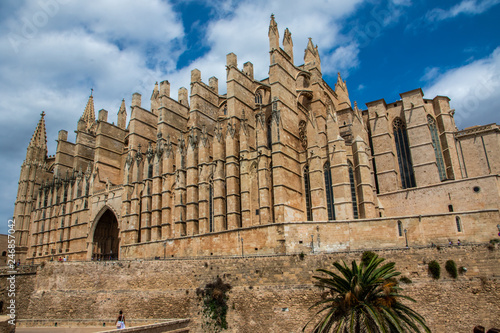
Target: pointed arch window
[329,192]
[459,223]
[404,155]
[353,192]
[436,143]
[307,189]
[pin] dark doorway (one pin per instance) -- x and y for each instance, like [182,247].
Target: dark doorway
[105,242]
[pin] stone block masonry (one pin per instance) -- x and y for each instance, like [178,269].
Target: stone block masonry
[269,294]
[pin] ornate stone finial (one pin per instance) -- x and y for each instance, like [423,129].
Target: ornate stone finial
[159,145]
[231,129]
[204,135]
[303,133]
[193,137]
[168,146]
[129,159]
[244,125]
[138,155]
[181,143]
[150,152]
[218,131]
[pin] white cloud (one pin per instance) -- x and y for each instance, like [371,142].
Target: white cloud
[344,58]
[470,7]
[473,90]
[430,73]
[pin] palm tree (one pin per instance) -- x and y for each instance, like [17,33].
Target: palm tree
[363,299]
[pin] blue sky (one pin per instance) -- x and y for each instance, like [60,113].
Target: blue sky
[52,52]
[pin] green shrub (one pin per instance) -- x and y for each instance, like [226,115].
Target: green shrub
[367,257]
[405,279]
[435,269]
[214,298]
[494,241]
[451,268]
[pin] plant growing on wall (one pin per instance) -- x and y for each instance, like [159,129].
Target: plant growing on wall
[367,257]
[451,268]
[214,299]
[435,269]
[364,298]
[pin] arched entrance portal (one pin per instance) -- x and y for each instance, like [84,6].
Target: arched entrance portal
[105,242]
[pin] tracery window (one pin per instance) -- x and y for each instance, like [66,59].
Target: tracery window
[404,155]
[436,143]
[353,192]
[307,189]
[329,192]
[258,98]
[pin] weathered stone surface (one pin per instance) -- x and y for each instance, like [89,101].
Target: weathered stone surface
[269,294]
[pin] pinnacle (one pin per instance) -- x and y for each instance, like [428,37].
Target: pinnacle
[89,114]
[122,107]
[39,138]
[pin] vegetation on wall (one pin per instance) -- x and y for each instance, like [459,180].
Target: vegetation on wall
[435,269]
[364,298]
[367,257]
[451,268]
[214,299]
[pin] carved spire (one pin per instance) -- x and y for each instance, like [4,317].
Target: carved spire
[88,116]
[37,148]
[311,56]
[341,90]
[39,138]
[154,99]
[274,36]
[288,43]
[122,115]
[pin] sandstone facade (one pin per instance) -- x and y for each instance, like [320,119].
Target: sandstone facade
[280,165]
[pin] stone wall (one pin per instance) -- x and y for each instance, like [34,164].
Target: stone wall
[269,294]
[326,236]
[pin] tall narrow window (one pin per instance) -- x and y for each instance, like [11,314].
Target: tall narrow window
[269,133]
[353,192]
[404,155]
[307,189]
[400,229]
[329,192]
[436,143]
[150,170]
[65,196]
[211,206]
[459,224]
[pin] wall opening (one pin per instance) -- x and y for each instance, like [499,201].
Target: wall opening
[105,243]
